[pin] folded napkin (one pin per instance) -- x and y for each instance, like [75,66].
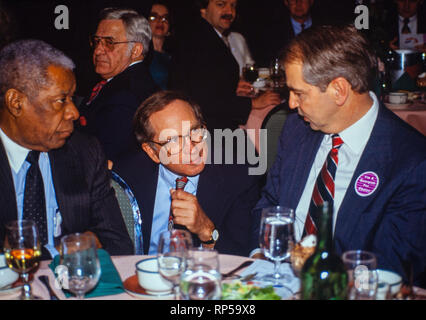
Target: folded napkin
[109,281]
[286,288]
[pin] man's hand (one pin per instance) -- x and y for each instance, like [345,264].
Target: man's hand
[245,89]
[188,212]
[269,98]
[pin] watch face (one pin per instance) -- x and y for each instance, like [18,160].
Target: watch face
[215,234]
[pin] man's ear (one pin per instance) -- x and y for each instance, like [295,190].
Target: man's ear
[14,100]
[150,152]
[203,12]
[137,50]
[340,89]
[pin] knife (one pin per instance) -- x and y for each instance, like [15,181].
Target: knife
[241,266]
[45,281]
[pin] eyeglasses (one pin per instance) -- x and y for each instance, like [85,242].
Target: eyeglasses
[153,17]
[174,145]
[107,42]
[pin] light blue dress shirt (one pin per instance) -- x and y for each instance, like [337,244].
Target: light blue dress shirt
[16,156]
[297,27]
[163,201]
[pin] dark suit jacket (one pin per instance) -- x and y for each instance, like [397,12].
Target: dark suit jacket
[392,25]
[83,193]
[391,222]
[225,192]
[109,117]
[205,69]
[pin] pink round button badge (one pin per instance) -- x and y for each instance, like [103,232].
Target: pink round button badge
[366,183]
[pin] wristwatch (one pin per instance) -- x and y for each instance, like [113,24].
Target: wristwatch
[213,237]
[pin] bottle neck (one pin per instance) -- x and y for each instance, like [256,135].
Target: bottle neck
[325,235]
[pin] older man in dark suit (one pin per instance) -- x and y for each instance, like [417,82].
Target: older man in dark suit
[206,70]
[216,201]
[120,44]
[354,153]
[49,174]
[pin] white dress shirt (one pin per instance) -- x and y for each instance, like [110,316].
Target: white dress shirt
[412,24]
[354,139]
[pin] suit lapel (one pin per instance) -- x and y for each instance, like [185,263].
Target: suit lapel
[375,157]
[7,197]
[210,191]
[68,182]
[301,163]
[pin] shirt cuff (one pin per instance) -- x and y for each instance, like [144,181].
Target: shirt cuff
[253,252]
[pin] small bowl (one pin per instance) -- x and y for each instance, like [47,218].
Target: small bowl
[150,279]
[398,97]
[7,275]
[393,279]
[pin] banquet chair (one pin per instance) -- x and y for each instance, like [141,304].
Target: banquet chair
[130,211]
[273,123]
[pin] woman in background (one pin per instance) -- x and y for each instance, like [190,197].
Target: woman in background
[160,54]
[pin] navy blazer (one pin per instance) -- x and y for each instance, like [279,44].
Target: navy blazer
[109,117]
[391,222]
[226,193]
[83,193]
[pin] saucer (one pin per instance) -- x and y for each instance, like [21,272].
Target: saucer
[396,105]
[131,285]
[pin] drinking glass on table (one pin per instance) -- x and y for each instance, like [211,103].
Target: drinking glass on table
[79,256]
[22,252]
[202,279]
[363,277]
[276,239]
[172,253]
[250,73]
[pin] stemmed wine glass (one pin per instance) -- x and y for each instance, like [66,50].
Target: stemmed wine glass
[79,256]
[172,254]
[202,278]
[250,73]
[276,74]
[276,239]
[22,251]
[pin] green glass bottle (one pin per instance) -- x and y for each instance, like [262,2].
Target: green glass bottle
[323,276]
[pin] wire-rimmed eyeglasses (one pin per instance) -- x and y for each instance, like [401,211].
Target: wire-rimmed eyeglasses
[174,145]
[107,42]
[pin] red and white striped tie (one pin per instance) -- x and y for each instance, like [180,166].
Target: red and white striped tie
[324,186]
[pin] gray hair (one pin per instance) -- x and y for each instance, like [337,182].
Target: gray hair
[24,65]
[137,26]
[329,52]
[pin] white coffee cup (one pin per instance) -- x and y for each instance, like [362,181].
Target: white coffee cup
[398,97]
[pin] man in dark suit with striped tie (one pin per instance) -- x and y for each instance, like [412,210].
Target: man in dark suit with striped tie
[346,148]
[120,45]
[50,174]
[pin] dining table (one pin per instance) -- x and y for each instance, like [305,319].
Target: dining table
[125,266]
[414,113]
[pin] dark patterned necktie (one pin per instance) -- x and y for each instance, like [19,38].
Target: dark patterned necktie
[406,28]
[303,26]
[180,185]
[96,90]
[34,199]
[324,186]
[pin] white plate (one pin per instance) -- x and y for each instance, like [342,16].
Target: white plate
[397,105]
[393,279]
[131,285]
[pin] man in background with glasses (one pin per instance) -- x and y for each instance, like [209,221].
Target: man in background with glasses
[214,202]
[119,46]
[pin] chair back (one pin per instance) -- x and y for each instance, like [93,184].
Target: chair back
[130,210]
[273,123]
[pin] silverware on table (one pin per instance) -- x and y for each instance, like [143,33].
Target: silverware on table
[45,281]
[235,270]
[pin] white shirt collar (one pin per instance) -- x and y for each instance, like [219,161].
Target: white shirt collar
[357,135]
[411,19]
[16,154]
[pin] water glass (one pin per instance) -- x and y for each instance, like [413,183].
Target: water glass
[202,278]
[361,266]
[80,259]
[276,239]
[172,254]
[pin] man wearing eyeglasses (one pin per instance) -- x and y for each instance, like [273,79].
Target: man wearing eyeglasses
[119,46]
[214,204]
